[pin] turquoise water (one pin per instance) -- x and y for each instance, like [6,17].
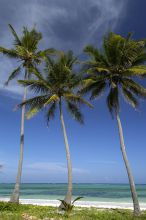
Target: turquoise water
[90,192]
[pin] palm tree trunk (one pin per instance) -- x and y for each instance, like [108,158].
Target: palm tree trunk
[15,195]
[130,176]
[68,196]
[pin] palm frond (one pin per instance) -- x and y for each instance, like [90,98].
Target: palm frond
[51,112]
[13,75]
[12,53]
[92,51]
[70,59]
[30,39]
[120,62]
[59,81]
[74,110]
[140,58]
[138,70]
[32,112]
[53,98]
[49,62]
[76,99]
[100,69]
[113,100]
[47,52]
[36,86]
[100,88]
[129,97]
[134,87]
[92,83]
[76,199]
[37,102]
[87,87]
[17,40]
[37,73]
[67,207]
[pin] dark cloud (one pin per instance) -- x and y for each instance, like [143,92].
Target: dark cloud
[65,24]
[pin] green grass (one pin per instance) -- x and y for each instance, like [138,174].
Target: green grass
[9,211]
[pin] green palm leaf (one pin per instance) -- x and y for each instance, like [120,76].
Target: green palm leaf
[36,102]
[36,85]
[51,112]
[116,68]
[98,90]
[74,111]
[134,87]
[13,75]
[76,99]
[32,112]
[53,98]
[76,199]
[59,82]
[17,40]
[113,100]
[138,70]
[12,53]
[130,98]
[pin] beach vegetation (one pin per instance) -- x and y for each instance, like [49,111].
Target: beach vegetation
[68,208]
[11,211]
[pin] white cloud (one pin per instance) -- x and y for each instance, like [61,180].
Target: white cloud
[42,172]
[64,24]
[54,167]
[110,12]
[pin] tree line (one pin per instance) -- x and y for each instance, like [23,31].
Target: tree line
[117,69]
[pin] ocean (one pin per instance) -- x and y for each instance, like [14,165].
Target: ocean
[90,192]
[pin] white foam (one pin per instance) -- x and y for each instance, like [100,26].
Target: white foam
[87,204]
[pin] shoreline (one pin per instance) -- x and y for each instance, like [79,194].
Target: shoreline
[82,204]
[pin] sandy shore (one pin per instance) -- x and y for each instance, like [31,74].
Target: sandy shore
[88,204]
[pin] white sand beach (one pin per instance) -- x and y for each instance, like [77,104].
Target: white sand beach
[86,204]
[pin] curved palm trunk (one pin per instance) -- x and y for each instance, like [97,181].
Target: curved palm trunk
[130,176]
[68,196]
[15,195]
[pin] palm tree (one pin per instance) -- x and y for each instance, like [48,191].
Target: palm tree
[116,68]
[25,51]
[55,88]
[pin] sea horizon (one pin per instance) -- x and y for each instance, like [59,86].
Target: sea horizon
[73,183]
[103,192]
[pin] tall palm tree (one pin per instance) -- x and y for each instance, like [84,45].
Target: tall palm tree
[115,69]
[25,51]
[55,88]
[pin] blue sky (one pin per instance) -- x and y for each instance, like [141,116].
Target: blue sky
[95,148]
